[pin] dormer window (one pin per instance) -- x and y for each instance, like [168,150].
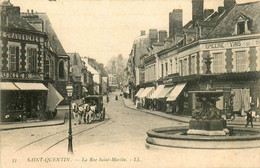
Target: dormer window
[243,25]
[240,28]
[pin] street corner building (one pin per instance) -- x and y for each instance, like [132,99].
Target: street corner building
[34,66]
[220,49]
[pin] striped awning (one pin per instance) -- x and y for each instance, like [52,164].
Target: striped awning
[139,92]
[176,91]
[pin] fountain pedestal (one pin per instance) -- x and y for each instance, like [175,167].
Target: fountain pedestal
[207,120]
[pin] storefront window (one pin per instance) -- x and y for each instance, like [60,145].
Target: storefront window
[240,61]
[14,58]
[32,59]
[217,62]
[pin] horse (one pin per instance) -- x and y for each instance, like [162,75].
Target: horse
[77,113]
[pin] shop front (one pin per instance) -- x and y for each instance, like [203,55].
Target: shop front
[23,101]
[146,103]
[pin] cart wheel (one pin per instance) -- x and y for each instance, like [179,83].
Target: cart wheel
[103,114]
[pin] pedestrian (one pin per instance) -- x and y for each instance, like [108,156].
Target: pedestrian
[75,113]
[249,117]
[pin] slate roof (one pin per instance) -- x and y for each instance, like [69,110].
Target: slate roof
[54,41]
[226,26]
[15,21]
[76,66]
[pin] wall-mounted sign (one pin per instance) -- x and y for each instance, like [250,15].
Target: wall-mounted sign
[21,75]
[231,44]
[19,36]
[168,81]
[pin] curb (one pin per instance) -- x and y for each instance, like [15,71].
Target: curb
[33,126]
[156,114]
[228,123]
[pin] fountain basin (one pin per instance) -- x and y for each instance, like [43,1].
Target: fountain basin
[177,137]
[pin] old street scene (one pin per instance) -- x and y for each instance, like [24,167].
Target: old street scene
[130,83]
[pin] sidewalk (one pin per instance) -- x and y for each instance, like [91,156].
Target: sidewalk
[185,119]
[58,120]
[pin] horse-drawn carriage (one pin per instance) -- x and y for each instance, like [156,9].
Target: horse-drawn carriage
[91,109]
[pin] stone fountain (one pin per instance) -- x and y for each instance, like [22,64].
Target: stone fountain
[207,129]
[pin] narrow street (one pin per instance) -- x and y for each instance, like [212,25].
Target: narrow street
[117,141]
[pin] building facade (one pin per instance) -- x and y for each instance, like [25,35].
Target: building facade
[23,93]
[219,49]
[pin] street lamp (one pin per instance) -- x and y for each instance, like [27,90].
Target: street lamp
[69,89]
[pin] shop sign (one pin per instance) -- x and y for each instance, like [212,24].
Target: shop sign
[21,75]
[18,36]
[232,44]
[168,81]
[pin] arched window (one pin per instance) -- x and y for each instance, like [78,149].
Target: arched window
[61,70]
[47,67]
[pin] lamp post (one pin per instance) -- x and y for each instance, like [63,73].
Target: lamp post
[69,89]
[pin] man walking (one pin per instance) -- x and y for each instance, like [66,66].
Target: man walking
[249,117]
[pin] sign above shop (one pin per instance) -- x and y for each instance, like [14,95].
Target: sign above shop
[19,36]
[21,75]
[168,81]
[232,44]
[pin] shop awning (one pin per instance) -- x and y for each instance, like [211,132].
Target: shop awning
[176,91]
[156,92]
[150,93]
[8,86]
[53,98]
[165,92]
[139,92]
[30,86]
[146,92]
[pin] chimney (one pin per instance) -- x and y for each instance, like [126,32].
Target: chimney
[153,35]
[162,35]
[175,22]
[142,32]
[208,12]
[221,9]
[32,12]
[28,11]
[197,10]
[229,4]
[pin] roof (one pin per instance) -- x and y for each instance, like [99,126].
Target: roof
[15,21]
[54,41]
[75,59]
[226,27]
[92,70]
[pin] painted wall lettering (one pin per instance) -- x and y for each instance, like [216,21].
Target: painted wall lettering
[214,45]
[235,43]
[19,36]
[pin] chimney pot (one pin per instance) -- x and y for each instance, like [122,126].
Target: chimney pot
[229,4]
[142,32]
[197,10]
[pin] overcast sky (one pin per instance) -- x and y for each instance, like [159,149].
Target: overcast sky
[102,29]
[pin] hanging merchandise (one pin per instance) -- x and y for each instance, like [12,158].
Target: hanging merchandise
[237,102]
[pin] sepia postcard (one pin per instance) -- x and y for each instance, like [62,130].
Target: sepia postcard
[129,83]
